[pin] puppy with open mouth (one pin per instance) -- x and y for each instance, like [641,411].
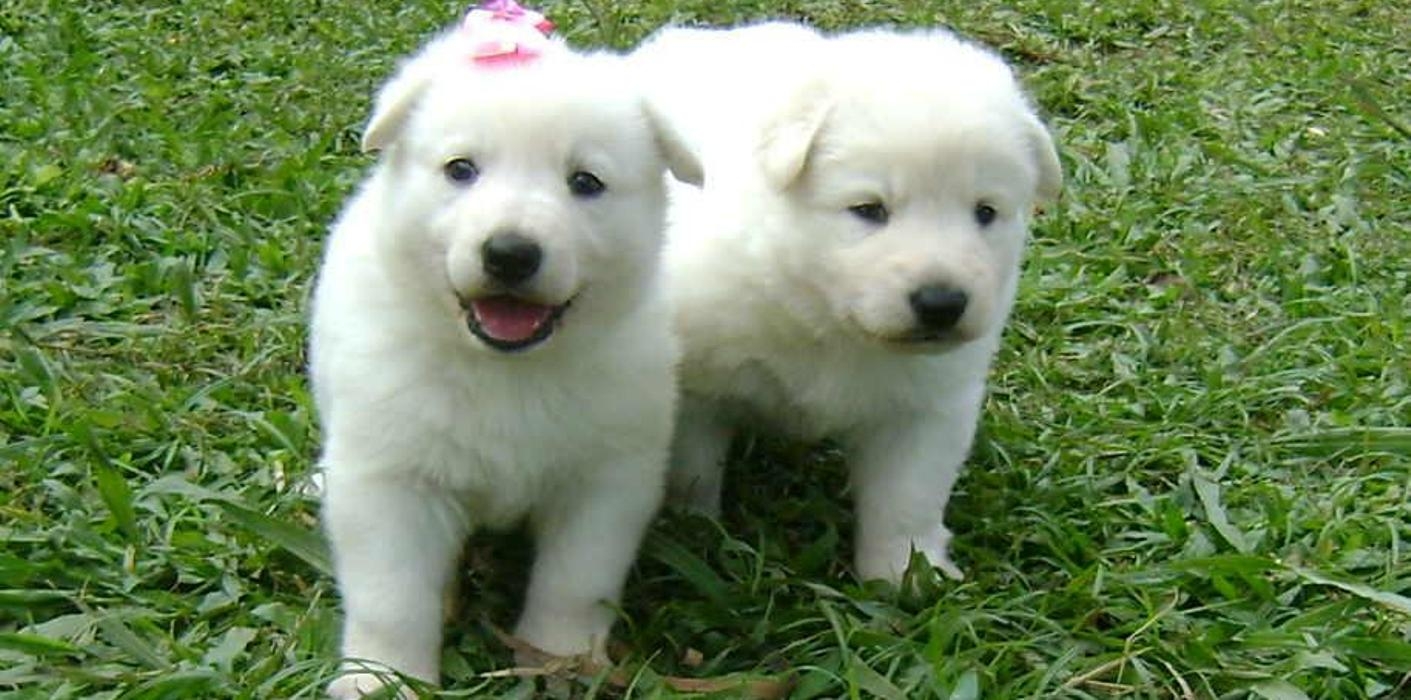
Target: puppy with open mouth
[849,266]
[489,344]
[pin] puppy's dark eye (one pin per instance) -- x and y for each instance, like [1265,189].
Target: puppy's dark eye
[585,184]
[985,213]
[461,171]
[871,212]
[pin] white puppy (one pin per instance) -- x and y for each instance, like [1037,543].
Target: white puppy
[848,269]
[489,344]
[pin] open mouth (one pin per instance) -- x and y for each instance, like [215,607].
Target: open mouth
[511,324]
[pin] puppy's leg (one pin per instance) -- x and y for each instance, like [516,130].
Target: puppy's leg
[586,538]
[394,550]
[698,458]
[902,474]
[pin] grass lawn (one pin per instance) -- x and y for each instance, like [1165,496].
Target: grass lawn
[1192,479]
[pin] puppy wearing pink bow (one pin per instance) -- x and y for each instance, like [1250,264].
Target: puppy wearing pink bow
[489,345]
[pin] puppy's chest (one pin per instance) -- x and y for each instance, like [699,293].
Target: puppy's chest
[462,429]
[498,442]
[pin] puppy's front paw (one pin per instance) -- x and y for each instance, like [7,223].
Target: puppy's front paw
[353,685]
[551,643]
[888,560]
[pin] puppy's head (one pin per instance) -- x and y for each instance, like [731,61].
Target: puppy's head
[528,197]
[905,171]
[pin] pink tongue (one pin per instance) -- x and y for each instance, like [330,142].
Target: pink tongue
[507,318]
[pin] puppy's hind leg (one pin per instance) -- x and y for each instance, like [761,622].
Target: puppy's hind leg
[394,548]
[586,538]
[698,453]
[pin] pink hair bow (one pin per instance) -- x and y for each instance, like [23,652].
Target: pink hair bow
[505,33]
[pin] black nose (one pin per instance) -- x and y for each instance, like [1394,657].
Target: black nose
[510,258]
[938,308]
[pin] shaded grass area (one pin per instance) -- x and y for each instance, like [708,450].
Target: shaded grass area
[1191,479]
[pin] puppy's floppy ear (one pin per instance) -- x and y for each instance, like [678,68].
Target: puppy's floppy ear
[1046,158]
[397,99]
[394,104]
[790,134]
[681,159]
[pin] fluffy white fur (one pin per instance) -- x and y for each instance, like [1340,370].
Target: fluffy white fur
[793,309]
[428,432]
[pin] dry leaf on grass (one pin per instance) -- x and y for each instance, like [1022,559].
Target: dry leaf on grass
[537,662]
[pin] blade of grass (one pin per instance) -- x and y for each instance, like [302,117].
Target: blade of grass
[111,484]
[689,566]
[35,644]
[303,543]
[1368,105]
[116,632]
[1209,494]
[1328,442]
[1399,603]
[1275,689]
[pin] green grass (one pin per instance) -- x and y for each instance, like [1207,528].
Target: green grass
[1192,478]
